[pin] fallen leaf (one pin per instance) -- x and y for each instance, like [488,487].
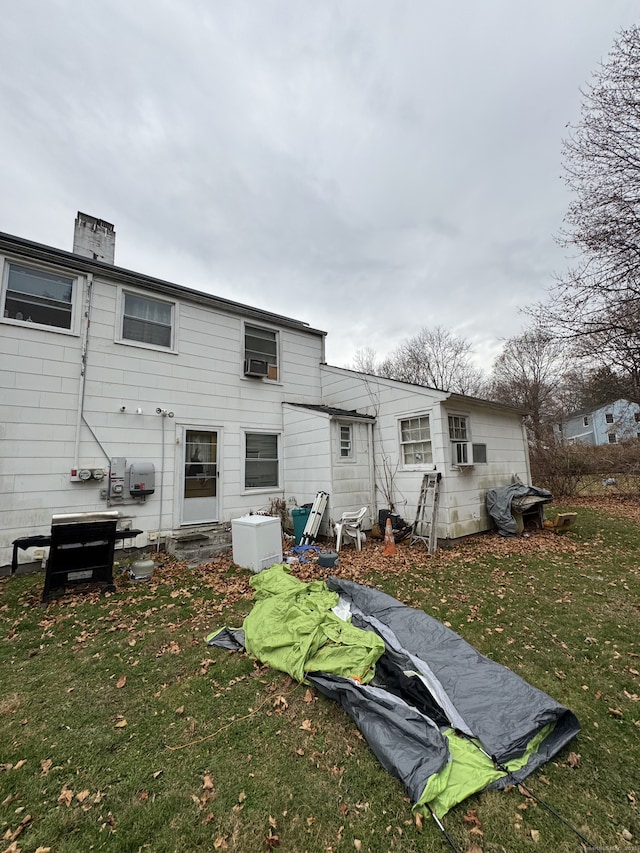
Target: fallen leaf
[82,796]
[26,820]
[180,710]
[20,764]
[207,782]
[121,681]
[308,697]
[272,821]
[66,795]
[473,849]
[45,765]
[615,712]
[357,843]
[43,850]
[121,724]
[573,759]
[626,835]
[418,821]
[535,835]
[220,843]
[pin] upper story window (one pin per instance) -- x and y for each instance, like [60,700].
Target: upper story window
[608,417]
[147,321]
[346,441]
[260,352]
[39,296]
[585,421]
[636,417]
[415,441]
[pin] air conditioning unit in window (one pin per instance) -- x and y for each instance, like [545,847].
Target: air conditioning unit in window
[255,367]
[462,456]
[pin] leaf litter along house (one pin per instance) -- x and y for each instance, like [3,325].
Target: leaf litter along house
[183,410]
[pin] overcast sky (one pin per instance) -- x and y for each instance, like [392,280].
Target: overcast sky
[368,166]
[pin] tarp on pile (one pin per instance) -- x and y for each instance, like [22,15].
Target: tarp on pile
[438,715]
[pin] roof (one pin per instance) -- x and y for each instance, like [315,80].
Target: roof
[333,412]
[27,249]
[459,399]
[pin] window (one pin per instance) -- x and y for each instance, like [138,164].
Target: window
[346,449]
[147,321]
[479,453]
[636,417]
[37,296]
[415,441]
[613,438]
[261,460]
[608,417]
[585,421]
[261,345]
[459,435]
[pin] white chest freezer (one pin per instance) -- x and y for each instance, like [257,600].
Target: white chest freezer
[257,541]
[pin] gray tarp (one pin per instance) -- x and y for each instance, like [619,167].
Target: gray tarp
[499,500]
[429,680]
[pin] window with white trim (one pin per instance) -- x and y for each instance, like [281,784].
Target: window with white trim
[346,441]
[261,348]
[415,441]
[146,320]
[608,417]
[585,420]
[35,295]
[461,451]
[261,464]
[613,438]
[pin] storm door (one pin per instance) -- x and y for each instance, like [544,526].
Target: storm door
[200,476]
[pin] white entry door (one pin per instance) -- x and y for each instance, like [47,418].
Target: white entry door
[200,477]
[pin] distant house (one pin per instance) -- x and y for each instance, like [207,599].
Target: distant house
[609,424]
[183,410]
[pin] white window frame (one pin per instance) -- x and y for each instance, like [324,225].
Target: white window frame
[608,417]
[585,420]
[459,428]
[271,375]
[261,489]
[142,294]
[344,442]
[406,444]
[613,438]
[76,280]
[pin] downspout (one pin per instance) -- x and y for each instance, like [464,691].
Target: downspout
[163,418]
[372,475]
[525,440]
[86,322]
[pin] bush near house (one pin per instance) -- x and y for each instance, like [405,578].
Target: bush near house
[121,729]
[572,469]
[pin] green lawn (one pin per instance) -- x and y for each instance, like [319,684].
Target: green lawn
[121,730]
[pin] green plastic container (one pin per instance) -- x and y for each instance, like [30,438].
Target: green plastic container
[300,517]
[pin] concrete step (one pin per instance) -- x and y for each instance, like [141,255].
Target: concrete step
[198,544]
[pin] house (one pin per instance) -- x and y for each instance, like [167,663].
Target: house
[608,424]
[183,410]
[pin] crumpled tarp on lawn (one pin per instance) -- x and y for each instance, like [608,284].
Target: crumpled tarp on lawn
[432,708]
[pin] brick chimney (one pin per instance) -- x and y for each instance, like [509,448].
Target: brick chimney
[94,238]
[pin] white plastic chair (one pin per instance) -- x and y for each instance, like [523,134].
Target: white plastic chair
[350,528]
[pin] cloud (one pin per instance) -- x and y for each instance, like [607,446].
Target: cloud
[369,168]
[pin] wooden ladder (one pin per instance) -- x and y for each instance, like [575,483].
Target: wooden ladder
[425,527]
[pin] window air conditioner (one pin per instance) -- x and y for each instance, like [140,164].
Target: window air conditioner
[255,367]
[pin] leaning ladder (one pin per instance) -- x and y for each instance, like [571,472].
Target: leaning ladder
[425,527]
[315,517]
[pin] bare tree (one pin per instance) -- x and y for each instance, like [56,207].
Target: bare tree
[436,358]
[597,303]
[365,360]
[528,374]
